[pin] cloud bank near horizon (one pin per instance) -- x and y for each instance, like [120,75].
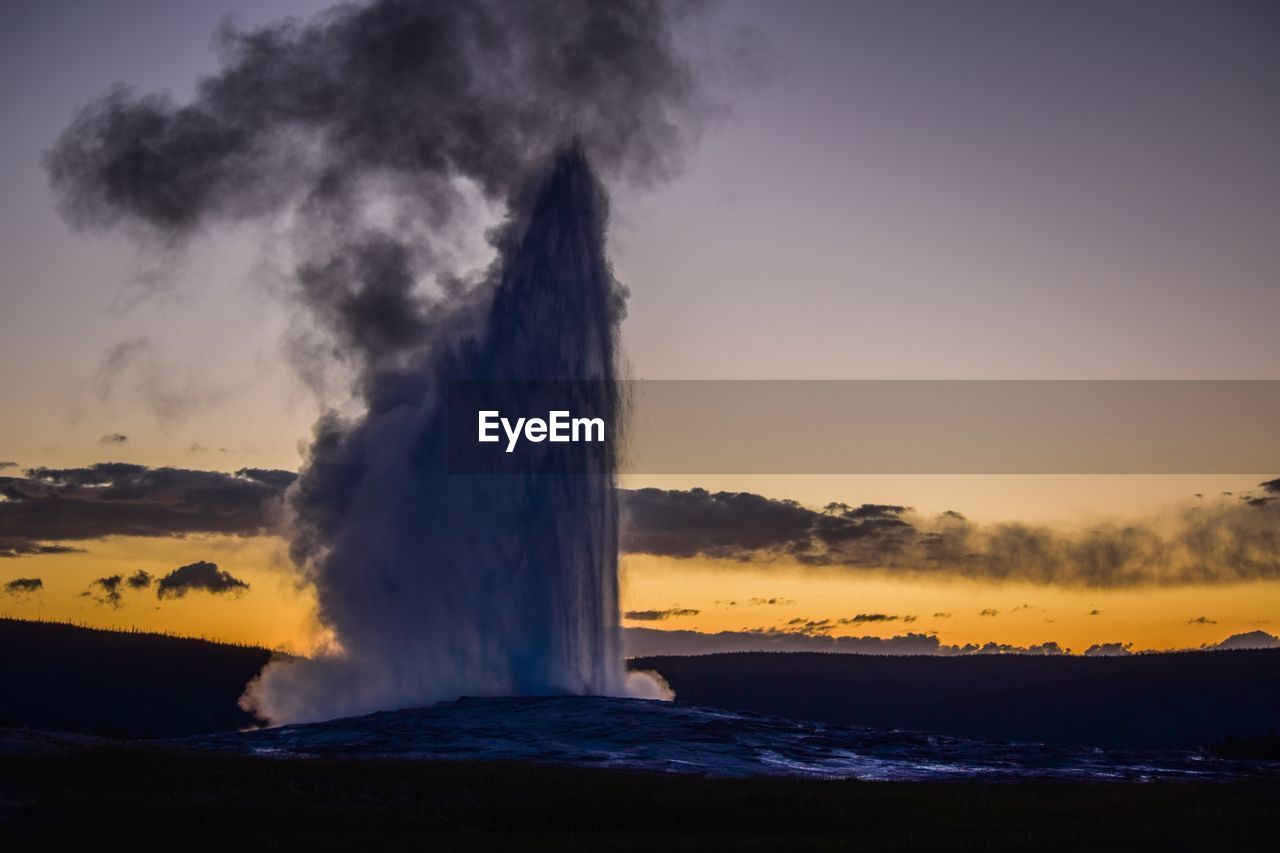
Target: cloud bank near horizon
[654,642]
[1231,540]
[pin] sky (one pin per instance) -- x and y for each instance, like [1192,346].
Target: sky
[894,190]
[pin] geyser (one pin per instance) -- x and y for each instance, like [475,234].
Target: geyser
[375,136]
[439,584]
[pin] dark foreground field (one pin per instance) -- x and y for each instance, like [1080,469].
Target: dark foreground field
[114,797]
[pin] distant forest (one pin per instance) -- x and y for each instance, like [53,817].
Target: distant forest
[63,677]
[67,678]
[1225,700]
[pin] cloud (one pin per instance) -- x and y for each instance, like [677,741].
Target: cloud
[1202,620]
[22,587]
[1217,542]
[106,590]
[641,642]
[942,615]
[1095,612]
[110,590]
[658,615]
[139,580]
[1250,640]
[202,576]
[1272,486]
[989,611]
[1099,650]
[11,548]
[113,438]
[742,526]
[644,642]
[8,464]
[1227,542]
[875,617]
[775,600]
[120,499]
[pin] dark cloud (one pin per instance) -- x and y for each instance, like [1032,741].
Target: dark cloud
[110,590]
[201,576]
[775,600]
[140,579]
[13,547]
[1202,620]
[106,590]
[741,526]
[1250,640]
[19,587]
[1095,612]
[644,642]
[942,615]
[1226,542]
[372,126]
[658,615]
[120,499]
[875,617]
[113,438]
[989,611]
[1216,544]
[1109,650]
[7,464]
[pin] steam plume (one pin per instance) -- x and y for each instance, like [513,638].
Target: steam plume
[379,133]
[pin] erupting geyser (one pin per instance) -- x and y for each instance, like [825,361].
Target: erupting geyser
[441,584]
[375,136]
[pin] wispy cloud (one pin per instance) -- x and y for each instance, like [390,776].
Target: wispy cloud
[659,615]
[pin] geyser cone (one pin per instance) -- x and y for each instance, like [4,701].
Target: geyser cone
[438,585]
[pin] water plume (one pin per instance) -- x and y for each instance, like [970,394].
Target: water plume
[375,136]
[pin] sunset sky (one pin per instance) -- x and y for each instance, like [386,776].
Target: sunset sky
[894,190]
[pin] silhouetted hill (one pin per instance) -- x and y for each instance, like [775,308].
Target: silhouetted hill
[1173,700]
[63,677]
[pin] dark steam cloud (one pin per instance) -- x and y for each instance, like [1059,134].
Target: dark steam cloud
[659,615]
[1202,620]
[200,576]
[375,127]
[113,438]
[7,464]
[22,587]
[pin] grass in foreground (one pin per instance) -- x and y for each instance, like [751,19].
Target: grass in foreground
[142,797]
